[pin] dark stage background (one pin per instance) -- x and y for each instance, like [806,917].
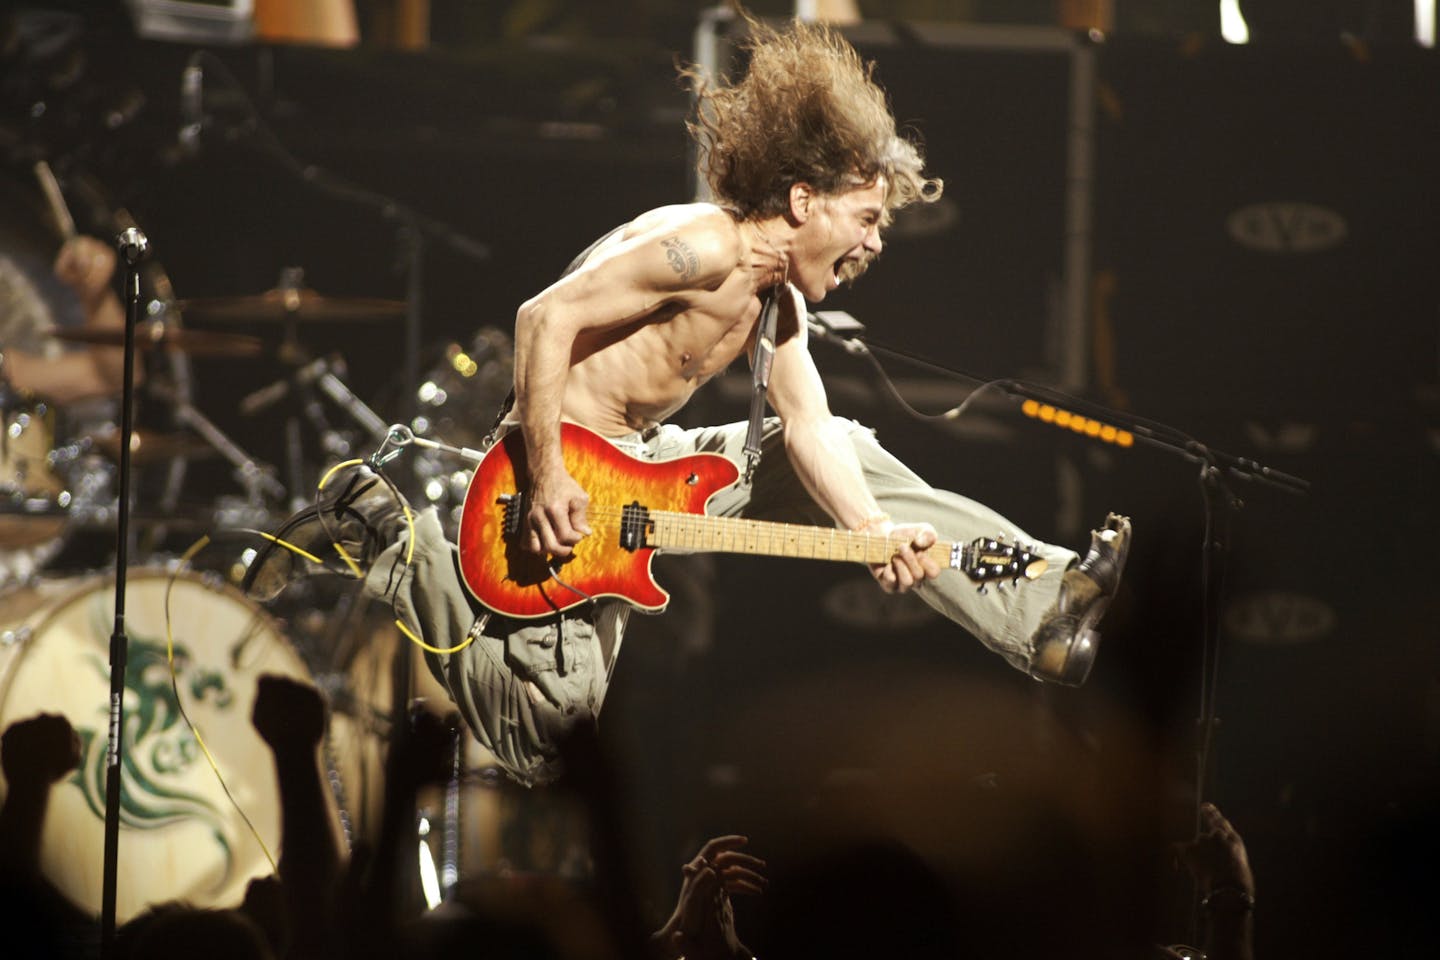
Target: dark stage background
[1266,224]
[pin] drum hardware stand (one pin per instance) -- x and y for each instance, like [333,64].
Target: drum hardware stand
[303,376]
[450,840]
[133,247]
[256,478]
[413,229]
[325,374]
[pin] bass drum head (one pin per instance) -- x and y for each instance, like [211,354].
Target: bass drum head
[180,836]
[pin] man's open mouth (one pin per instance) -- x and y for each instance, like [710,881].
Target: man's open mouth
[849,268]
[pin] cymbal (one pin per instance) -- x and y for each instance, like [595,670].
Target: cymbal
[299,304]
[152,446]
[155,335]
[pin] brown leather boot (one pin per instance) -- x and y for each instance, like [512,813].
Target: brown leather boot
[358,512]
[1065,642]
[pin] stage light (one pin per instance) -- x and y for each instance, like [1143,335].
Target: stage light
[1232,22]
[1086,426]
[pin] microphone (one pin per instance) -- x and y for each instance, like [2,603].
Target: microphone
[839,328]
[132,245]
[192,112]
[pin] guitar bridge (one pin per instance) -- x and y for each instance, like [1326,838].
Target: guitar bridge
[514,511]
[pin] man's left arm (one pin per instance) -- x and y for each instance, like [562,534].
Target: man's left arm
[824,459]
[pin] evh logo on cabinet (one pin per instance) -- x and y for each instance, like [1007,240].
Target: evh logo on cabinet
[1286,227]
[1280,617]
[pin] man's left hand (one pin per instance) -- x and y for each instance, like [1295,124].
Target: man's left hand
[912,564]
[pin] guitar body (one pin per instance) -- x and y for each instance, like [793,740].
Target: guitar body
[516,583]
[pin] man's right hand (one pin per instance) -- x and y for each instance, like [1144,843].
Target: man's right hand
[557,517]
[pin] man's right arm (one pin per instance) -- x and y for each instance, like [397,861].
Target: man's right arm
[616,286]
[544,338]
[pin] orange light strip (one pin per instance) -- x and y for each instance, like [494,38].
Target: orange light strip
[1067,420]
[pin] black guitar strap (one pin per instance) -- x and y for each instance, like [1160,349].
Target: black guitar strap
[760,362]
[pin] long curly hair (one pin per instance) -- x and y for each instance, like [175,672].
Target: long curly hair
[807,110]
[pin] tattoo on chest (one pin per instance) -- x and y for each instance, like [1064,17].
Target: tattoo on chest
[682,258]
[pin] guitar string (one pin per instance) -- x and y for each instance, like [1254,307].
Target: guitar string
[702,530]
[695,524]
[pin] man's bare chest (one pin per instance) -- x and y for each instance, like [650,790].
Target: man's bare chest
[705,341]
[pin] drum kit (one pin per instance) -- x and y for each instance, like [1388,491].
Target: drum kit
[58,507]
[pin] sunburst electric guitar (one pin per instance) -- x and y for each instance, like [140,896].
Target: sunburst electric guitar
[638,507]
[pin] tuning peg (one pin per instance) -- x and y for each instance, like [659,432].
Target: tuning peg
[981,590]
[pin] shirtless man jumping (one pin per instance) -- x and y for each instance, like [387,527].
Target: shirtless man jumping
[807,168]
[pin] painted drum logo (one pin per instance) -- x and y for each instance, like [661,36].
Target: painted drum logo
[1279,617]
[159,748]
[1286,227]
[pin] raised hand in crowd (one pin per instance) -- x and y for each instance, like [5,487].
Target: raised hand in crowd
[290,717]
[702,926]
[35,754]
[378,884]
[38,920]
[1217,859]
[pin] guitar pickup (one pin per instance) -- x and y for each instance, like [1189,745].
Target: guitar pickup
[634,525]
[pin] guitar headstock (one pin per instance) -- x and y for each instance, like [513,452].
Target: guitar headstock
[990,559]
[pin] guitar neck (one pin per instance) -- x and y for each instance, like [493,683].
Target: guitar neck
[697,532]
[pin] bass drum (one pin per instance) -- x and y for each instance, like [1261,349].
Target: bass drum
[180,836]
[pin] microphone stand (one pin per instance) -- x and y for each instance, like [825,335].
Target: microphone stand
[1217,470]
[133,248]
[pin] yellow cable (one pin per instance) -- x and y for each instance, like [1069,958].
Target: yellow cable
[349,561]
[410,523]
[409,559]
[425,646]
[336,469]
[291,547]
[185,559]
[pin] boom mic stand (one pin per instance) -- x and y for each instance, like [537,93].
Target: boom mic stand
[133,249]
[1217,469]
